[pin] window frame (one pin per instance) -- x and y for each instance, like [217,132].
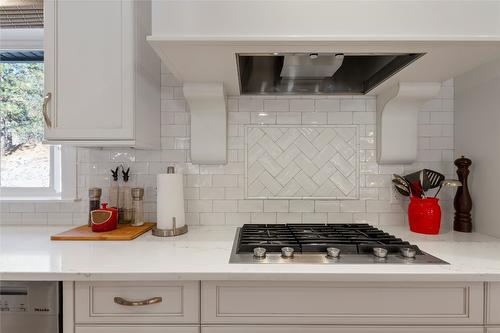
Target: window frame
[63,159]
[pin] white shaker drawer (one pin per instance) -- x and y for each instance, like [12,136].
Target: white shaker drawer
[342,303]
[493,303]
[336,329]
[137,329]
[137,302]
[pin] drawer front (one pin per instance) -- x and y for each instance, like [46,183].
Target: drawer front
[341,303]
[493,303]
[137,329]
[337,329]
[169,302]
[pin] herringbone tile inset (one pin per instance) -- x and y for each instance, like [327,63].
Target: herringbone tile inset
[301,162]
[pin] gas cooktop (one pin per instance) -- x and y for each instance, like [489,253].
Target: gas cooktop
[323,244]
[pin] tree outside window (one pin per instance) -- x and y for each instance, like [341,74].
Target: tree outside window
[25,161]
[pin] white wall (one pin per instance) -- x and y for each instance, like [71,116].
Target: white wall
[215,194]
[477,136]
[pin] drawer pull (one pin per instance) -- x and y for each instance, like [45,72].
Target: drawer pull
[122,301]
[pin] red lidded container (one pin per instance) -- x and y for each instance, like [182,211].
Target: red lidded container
[424,215]
[104,219]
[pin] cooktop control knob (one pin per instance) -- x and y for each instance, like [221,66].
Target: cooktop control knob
[287,252]
[408,252]
[333,252]
[380,252]
[259,252]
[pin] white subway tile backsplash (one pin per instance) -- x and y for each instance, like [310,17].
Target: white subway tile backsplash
[212,218]
[328,105]
[11,218]
[288,217]
[340,118]
[352,206]
[34,219]
[302,206]
[314,217]
[281,206]
[230,206]
[352,105]
[250,206]
[237,218]
[215,193]
[289,118]
[302,105]
[60,218]
[267,218]
[329,206]
[225,180]
[198,180]
[314,118]
[250,105]
[198,206]
[276,105]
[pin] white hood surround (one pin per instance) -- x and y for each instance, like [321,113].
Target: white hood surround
[199,41]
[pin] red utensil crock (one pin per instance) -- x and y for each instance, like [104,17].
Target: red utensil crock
[104,219]
[424,215]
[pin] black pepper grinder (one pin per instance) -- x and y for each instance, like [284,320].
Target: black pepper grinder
[94,201]
[462,202]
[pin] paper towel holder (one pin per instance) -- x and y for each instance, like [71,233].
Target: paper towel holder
[170,232]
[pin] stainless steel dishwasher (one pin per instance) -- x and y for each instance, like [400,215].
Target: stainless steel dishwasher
[30,306]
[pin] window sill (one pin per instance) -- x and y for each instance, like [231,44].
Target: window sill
[37,200]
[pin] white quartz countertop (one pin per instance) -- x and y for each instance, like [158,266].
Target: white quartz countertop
[27,253]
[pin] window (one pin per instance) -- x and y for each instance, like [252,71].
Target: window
[29,169]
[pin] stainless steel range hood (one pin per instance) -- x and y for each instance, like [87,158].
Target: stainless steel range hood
[317,73]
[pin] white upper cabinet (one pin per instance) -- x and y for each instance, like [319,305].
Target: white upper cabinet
[102,79]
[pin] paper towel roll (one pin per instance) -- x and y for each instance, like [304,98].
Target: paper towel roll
[170,201]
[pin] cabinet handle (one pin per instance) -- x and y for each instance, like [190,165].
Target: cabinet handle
[46,118]
[122,301]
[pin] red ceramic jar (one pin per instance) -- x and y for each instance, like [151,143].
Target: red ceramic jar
[424,215]
[104,219]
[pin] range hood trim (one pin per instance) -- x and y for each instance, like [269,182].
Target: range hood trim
[397,120]
[207,105]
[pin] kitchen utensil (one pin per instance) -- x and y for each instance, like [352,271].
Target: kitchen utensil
[448,182]
[123,232]
[104,219]
[400,180]
[424,182]
[434,178]
[402,189]
[415,184]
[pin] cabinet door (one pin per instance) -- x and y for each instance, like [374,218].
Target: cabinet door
[137,329]
[89,69]
[337,329]
[493,303]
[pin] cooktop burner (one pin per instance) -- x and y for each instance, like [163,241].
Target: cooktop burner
[323,243]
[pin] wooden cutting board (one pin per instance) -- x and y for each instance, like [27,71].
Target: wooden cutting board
[123,232]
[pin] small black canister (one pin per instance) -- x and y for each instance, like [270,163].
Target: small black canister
[94,200]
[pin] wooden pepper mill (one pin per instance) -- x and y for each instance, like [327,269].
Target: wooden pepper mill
[463,202]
